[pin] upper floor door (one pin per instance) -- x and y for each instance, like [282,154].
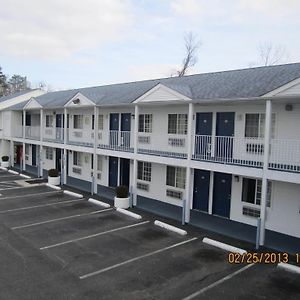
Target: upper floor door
[224,135]
[203,134]
[114,129]
[125,129]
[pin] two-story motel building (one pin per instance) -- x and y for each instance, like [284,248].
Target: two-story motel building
[228,143]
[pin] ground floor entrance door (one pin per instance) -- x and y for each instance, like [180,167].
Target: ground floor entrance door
[124,171]
[58,159]
[222,194]
[33,148]
[113,171]
[201,190]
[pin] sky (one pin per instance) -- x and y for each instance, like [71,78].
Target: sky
[71,43]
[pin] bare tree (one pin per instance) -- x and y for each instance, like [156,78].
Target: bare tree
[192,45]
[270,54]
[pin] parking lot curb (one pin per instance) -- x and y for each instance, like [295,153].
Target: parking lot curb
[98,202]
[2,168]
[73,194]
[170,227]
[25,176]
[223,246]
[13,172]
[129,213]
[289,267]
[53,187]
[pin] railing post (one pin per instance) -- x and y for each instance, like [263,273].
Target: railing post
[183,212]
[258,233]
[264,188]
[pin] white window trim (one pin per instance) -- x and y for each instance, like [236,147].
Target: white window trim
[145,175]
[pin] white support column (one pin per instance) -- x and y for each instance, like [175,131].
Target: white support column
[12,154]
[65,150]
[41,125]
[265,169]
[41,142]
[213,133]
[211,192]
[23,167]
[188,194]
[135,145]
[95,159]
[24,124]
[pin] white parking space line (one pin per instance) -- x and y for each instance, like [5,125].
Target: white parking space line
[93,235]
[196,294]
[60,219]
[29,195]
[37,206]
[136,258]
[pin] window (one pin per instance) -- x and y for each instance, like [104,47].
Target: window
[77,159]
[49,153]
[99,163]
[100,122]
[49,121]
[78,121]
[144,171]
[252,191]
[176,177]
[255,125]
[177,123]
[145,123]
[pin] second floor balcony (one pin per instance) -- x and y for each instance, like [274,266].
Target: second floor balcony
[284,153]
[32,132]
[54,134]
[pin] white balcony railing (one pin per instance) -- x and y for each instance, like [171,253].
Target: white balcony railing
[119,141]
[32,132]
[229,150]
[285,155]
[54,134]
[80,137]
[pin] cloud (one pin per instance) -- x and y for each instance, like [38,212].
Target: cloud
[57,29]
[234,10]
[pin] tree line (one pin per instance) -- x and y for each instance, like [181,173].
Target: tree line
[13,84]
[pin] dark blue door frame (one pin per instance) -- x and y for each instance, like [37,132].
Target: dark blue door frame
[124,171]
[224,132]
[113,171]
[222,194]
[114,129]
[204,132]
[125,129]
[201,190]
[33,151]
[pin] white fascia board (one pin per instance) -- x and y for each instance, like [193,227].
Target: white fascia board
[159,86]
[85,101]
[282,88]
[32,104]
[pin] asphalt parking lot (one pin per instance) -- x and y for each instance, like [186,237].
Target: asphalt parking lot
[55,245]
